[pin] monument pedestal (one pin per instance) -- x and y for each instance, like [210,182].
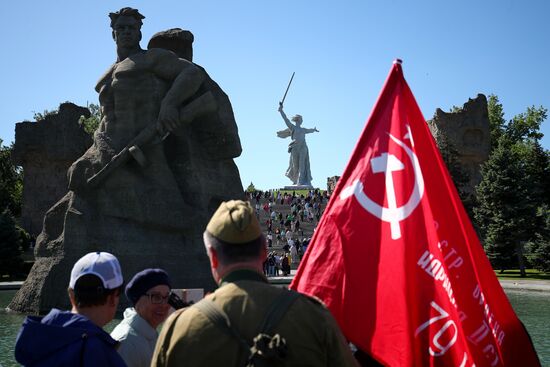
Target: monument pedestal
[298,187]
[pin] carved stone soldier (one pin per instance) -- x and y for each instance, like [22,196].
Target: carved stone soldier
[150,211]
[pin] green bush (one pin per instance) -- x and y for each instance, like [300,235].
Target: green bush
[10,252]
[24,239]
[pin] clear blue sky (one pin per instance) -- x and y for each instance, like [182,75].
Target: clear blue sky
[54,51]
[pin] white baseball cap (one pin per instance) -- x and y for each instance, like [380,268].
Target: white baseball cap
[101,264]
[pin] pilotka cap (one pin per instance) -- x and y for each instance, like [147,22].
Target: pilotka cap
[234,222]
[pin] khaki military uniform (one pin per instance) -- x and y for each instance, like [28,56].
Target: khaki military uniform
[189,338]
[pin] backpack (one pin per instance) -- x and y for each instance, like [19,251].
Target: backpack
[265,349]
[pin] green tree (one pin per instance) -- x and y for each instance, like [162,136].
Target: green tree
[251,188]
[456,109]
[10,252]
[534,160]
[538,249]
[11,182]
[39,116]
[525,127]
[514,186]
[91,123]
[496,119]
[460,177]
[501,210]
[24,239]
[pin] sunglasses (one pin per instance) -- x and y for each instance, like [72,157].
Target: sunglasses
[158,298]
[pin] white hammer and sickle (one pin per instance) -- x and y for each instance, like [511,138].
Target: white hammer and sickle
[388,163]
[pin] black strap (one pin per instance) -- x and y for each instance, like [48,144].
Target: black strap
[275,313]
[84,338]
[277,310]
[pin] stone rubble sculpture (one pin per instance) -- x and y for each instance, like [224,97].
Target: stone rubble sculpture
[468,131]
[46,149]
[151,210]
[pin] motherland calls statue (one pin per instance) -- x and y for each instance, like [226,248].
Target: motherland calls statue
[298,170]
[160,164]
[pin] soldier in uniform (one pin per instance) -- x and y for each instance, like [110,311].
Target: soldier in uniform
[236,249]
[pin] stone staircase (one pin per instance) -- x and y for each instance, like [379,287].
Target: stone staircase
[306,228]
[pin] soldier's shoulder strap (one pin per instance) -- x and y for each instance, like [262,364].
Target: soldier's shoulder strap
[273,316]
[277,310]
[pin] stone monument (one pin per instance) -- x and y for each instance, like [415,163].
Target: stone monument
[160,164]
[468,131]
[46,149]
[298,170]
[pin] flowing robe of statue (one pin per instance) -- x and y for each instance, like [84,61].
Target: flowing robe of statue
[298,171]
[150,215]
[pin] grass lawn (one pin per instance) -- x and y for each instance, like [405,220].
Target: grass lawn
[532,274]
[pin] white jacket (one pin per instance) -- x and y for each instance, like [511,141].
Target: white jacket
[137,339]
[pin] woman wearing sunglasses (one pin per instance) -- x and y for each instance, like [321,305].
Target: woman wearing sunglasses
[148,291]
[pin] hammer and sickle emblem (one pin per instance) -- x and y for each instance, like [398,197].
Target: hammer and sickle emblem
[388,163]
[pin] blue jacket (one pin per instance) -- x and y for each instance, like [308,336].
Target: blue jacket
[62,338]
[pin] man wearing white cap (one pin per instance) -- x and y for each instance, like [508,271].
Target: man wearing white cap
[247,320]
[76,337]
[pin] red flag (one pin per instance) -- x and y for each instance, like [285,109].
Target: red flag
[396,259]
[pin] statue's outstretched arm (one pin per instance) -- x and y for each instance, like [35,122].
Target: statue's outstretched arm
[309,131]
